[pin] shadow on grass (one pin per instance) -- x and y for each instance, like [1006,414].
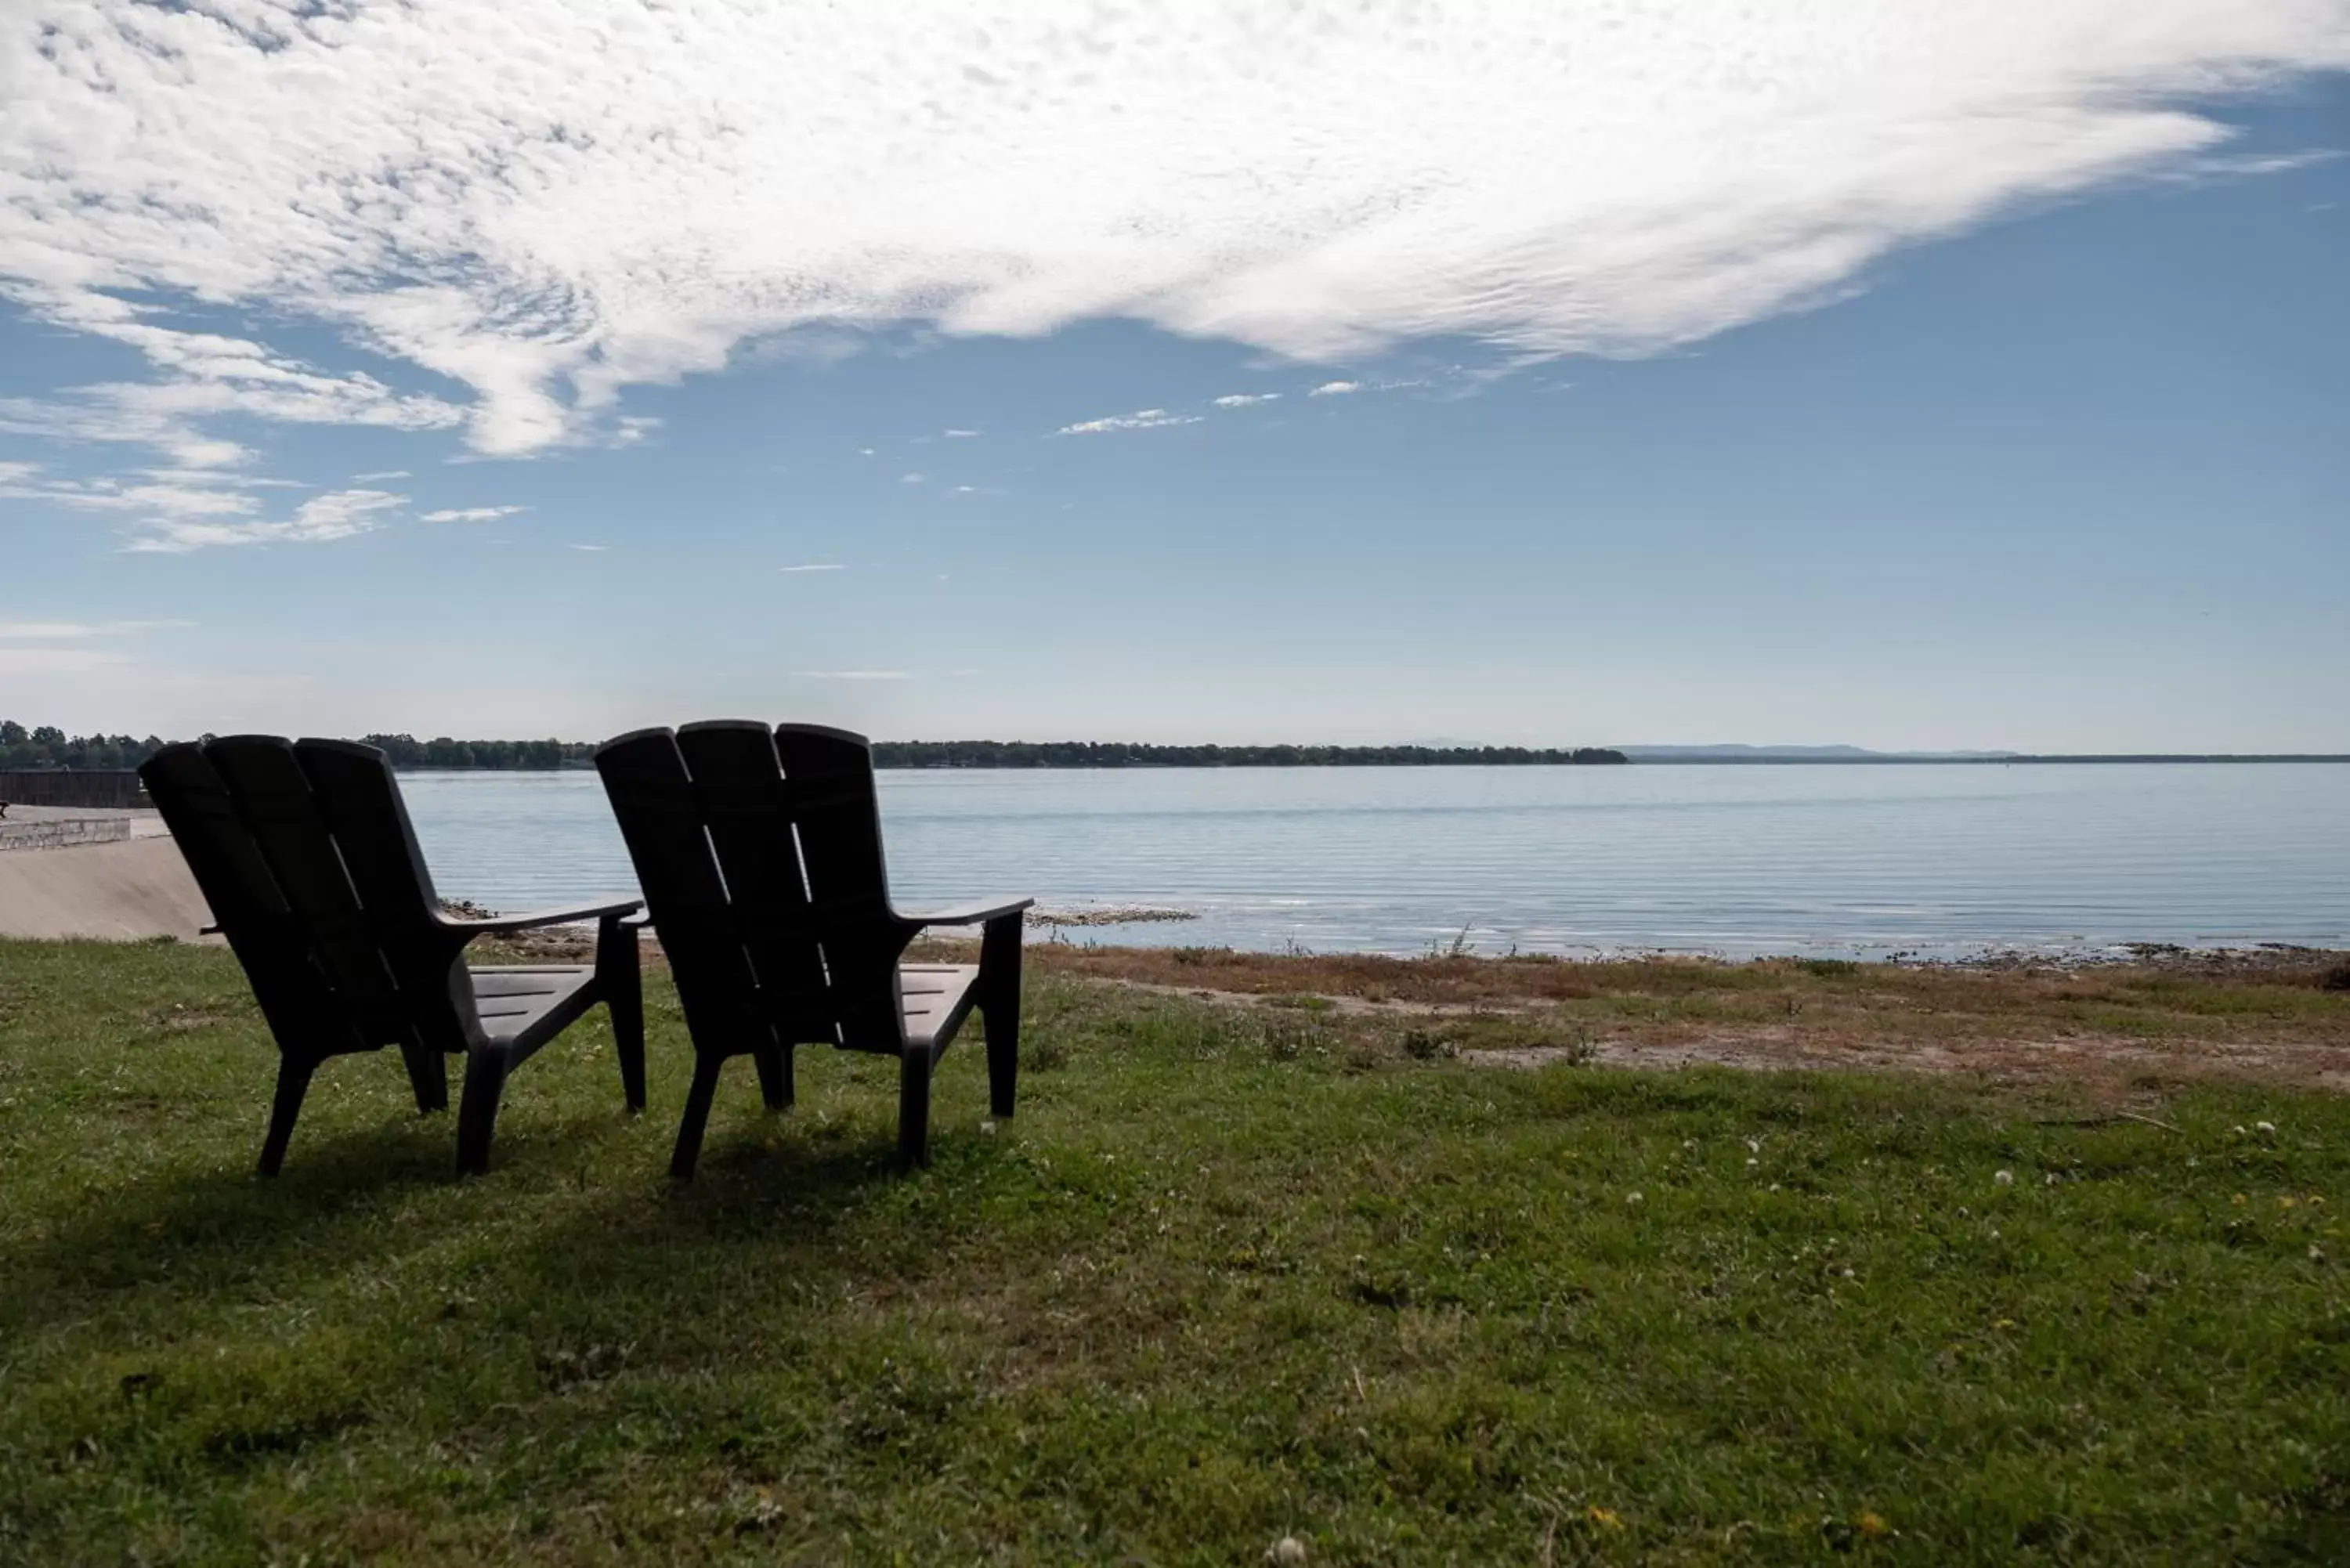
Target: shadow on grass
[561,1205]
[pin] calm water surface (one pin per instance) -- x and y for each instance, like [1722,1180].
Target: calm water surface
[1862,860]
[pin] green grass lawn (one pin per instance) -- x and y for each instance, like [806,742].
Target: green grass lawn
[1226,1278]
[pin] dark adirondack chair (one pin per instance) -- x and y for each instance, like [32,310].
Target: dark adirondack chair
[304,853]
[760,855]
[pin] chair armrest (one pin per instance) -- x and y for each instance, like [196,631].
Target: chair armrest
[971,914]
[572,916]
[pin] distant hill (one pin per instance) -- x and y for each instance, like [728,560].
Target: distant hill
[1797,754]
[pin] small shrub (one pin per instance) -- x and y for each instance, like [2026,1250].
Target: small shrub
[1428,1046]
[1580,1048]
[1286,1039]
[2335,979]
[1829,968]
[1196,956]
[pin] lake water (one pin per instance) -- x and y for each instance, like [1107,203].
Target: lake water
[1859,861]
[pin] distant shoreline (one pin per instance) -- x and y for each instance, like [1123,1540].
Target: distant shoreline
[2038,758]
[98,754]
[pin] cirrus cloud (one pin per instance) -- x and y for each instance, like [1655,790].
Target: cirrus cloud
[336,514]
[1140,420]
[436,180]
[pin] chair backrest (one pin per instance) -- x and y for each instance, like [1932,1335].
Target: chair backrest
[759,853]
[305,853]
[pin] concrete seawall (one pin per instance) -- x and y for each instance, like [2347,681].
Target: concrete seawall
[60,834]
[123,890]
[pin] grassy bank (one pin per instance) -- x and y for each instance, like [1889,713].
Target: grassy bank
[1236,1271]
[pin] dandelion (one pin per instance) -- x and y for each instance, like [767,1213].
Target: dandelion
[1634,1197]
[1754,1146]
[2316,1253]
[2004,1178]
[1873,1524]
[1604,1518]
[1751,1163]
[2266,1129]
[1286,1552]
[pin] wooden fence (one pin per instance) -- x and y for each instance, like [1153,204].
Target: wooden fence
[107,787]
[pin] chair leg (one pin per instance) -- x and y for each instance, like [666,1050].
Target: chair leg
[623,984]
[697,1114]
[294,1074]
[775,1077]
[913,1108]
[477,1113]
[999,1009]
[428,1075]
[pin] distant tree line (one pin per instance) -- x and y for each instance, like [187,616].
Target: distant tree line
[45,746]
[1129,754]
[408,752]
[49,747]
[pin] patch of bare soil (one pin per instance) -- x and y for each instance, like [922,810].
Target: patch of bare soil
[2111,1062]
[2165,1015]
[2176,1017]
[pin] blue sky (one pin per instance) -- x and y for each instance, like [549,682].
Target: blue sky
[2050,454]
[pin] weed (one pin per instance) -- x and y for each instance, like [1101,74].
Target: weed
[1428,1046]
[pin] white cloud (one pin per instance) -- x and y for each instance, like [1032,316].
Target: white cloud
[592,549]
[1335,388]
[815,566]
[1246,399]
[380,475]
[179,510]
[203,375]
[1141,420]
[961,435]
[57,661]
[436,182]
[909,479]
[46,630]
[864,451]
[163,499]
[472,513]
[336,514]
[852,674]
